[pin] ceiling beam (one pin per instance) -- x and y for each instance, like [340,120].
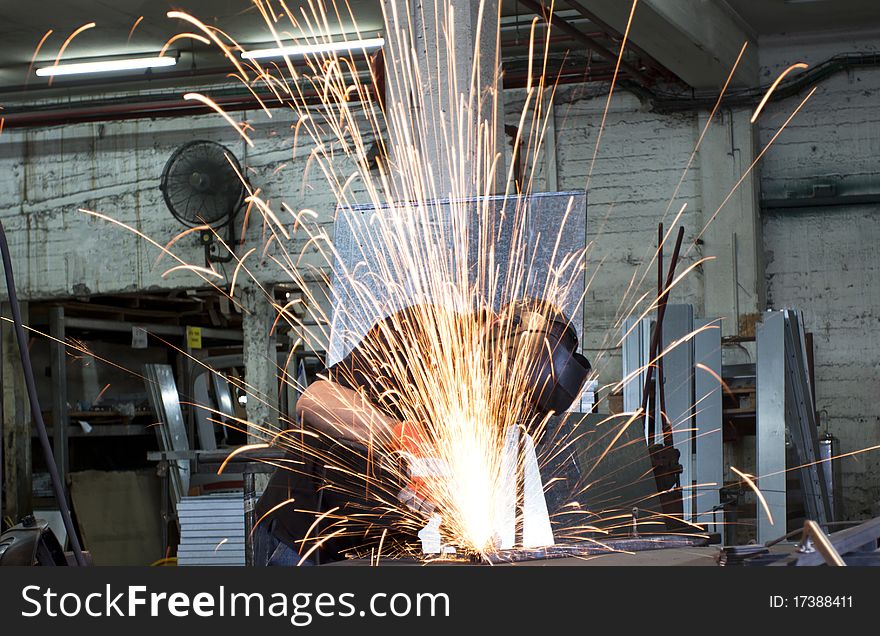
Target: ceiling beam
[698,40]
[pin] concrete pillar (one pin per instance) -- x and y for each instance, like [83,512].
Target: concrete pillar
[431,50]
[734,281]
[260,364]
[17,488]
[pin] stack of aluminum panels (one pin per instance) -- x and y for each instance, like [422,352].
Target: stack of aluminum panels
[211,530]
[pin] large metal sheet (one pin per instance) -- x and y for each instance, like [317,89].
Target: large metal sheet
[801,421]
[678,381]
[770,441]
[707,436]
[367,265]
[597,469]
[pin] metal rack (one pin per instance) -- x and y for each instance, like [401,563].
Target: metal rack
[60,326]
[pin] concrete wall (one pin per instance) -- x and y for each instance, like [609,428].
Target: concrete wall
[641,158]
[826,261]
[114,168]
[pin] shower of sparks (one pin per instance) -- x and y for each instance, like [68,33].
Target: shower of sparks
[449,367]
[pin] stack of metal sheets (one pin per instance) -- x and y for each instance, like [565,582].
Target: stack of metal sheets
[211,530]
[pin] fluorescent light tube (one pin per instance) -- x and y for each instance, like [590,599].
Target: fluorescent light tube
[107,66]
[312,49]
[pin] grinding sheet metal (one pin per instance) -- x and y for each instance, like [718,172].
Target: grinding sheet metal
[597,548]
[211,530]
[597,468]
[361,265]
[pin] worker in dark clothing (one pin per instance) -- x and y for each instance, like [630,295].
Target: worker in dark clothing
[357,405]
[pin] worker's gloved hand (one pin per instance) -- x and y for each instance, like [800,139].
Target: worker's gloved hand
[413,445]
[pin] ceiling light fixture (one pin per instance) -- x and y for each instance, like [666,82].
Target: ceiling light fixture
[107,66]
[314,49]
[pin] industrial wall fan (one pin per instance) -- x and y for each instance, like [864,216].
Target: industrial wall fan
[201,186]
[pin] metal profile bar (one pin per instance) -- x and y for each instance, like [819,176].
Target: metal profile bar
[770,433]
[801,419]
[159,330]
[707,423]
[678,325]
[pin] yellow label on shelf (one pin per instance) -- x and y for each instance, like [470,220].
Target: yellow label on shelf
[194,337]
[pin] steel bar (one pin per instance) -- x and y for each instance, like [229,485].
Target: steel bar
[60,422]
[639,544]
[770,431]
[655,339]
[36,412]
[708,443]
[801,420]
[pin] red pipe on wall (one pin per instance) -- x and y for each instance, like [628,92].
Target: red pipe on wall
[176,107]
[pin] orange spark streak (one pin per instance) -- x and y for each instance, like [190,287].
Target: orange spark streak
[239,450]
[773,88]
[174,240]
[104,390]
[133,27]
[238,268]
[178,36]
[752,167]
[210,103]
[37,51]
[192,268]
[66,43]
[70,39]
[318,544]
[270,511]
[759,494]
[210,33]
[711,372]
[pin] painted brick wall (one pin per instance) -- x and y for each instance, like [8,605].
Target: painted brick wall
[641,158]
[826,261]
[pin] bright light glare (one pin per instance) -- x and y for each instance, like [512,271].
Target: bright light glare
[106,66]
[312,49]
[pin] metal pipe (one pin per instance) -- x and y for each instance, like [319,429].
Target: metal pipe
[655,338]
[821,202]
[36,411]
